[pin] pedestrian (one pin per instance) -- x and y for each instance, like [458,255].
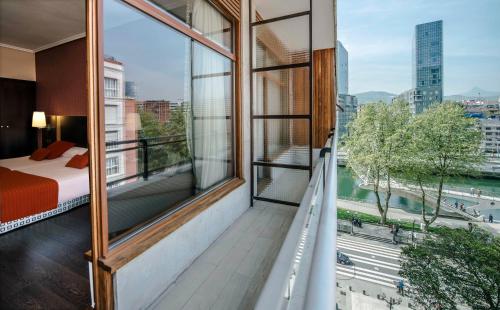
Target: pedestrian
[490,218]
[479,193]
[470,226]
[456,204]
[462,207]
[401,286]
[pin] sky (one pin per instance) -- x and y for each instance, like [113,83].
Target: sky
[378,37]
[153,55]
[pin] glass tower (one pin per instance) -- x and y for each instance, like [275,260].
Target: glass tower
[428,65]
[342,69]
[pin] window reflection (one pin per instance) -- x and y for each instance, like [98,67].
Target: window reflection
[202,17]
[168,117]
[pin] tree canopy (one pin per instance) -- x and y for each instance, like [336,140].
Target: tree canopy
[441,143]
[388,144]
[374,146]
[454,267]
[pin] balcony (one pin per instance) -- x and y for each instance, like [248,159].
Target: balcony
[273,256]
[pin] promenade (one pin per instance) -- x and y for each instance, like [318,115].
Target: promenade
[396,214]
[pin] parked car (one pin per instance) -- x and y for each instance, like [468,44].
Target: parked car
[343,259]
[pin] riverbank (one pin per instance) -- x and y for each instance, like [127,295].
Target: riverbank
[395,214]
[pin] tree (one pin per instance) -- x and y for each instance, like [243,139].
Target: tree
[173,130]
[375,144]
[456,266]
[442,143]
[176,128]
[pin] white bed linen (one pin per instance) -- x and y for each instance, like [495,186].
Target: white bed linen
[72,182]
[23,163]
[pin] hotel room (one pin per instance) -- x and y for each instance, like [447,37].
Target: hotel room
[44,163]
[168,135]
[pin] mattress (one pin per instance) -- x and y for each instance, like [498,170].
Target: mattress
[73,183]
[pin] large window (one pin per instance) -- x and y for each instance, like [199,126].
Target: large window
[176,128]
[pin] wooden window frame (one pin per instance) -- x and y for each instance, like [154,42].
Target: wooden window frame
[106,261]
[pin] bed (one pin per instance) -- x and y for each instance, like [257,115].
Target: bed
[72,184]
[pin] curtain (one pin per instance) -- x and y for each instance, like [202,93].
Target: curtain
[211,102]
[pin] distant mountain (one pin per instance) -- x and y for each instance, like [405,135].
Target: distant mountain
[475,93]
[374,96]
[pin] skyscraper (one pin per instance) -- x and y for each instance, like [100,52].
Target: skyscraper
[342,69]
[427,65]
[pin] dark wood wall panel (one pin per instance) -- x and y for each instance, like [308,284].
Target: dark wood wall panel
[17,103]
[61,79]
[323,95]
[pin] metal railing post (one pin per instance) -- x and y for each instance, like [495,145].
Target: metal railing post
[145,159]
[322,154]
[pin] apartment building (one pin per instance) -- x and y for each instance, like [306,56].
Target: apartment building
[491,136]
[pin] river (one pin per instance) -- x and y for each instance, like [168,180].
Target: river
[348,188]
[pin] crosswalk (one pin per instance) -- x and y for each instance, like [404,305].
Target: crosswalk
[373,263]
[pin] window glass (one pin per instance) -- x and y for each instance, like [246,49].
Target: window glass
[201,16]
[111,112]
[169,137]
[110,87]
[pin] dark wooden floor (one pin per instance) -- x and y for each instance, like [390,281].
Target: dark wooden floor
[42,265]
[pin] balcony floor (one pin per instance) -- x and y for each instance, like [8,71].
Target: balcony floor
[233,270]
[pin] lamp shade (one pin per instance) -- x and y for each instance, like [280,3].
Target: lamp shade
[39,120]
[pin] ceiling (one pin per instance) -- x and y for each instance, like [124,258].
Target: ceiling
[270,9]
[37,24]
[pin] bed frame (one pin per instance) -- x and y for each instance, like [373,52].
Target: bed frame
[73,129]
[61,207]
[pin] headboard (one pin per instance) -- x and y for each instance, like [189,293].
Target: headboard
[72,129]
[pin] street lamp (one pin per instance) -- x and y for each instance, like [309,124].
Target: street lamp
[391,301]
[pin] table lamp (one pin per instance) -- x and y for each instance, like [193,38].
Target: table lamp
[39,122]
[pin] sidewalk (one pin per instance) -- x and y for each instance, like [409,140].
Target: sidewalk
[377,232]
[396,214]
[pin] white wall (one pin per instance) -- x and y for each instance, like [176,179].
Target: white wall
[17,64]
[142,280]
[323,24]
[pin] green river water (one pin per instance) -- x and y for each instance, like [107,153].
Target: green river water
[348,188]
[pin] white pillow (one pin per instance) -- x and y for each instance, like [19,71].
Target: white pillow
[74,151]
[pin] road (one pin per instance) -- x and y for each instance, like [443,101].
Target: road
[374,262]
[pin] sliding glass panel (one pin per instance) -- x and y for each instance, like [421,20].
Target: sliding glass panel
[202,17]
[281,183]
[168,118]
[281,92]
[282,141]
[282,42]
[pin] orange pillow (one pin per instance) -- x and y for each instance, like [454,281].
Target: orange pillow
[78,162]
[58,148]
[40,154]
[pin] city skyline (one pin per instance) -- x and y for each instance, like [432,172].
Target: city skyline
[379,41]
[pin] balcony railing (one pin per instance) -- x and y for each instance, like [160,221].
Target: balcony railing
[143,144]
[303,275]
